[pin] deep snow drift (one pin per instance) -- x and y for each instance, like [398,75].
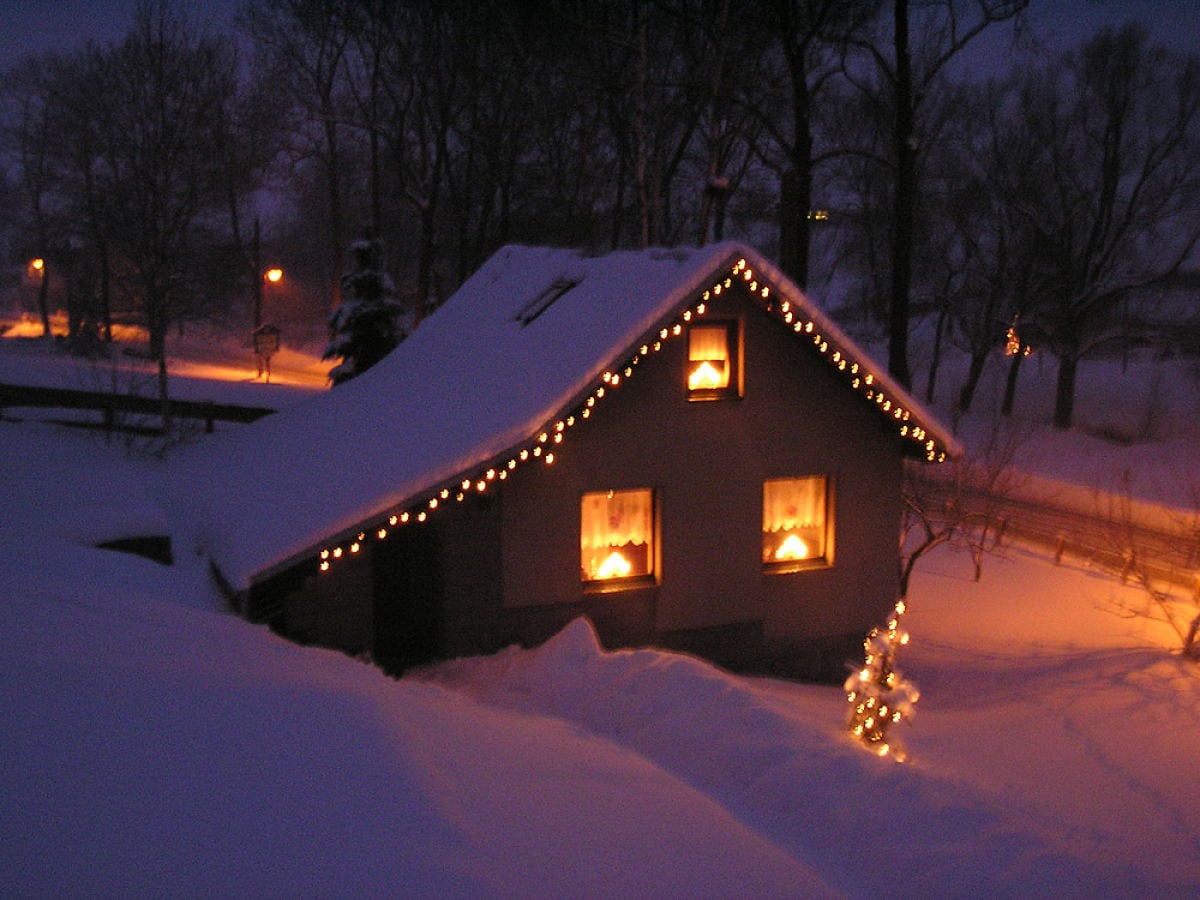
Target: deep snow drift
[155,744]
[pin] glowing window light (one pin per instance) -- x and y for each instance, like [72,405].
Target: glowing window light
[792,548]
[616,538]
[711,349]
[614,566]
[795,520]
[706,377]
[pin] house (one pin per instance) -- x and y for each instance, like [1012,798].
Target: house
[676,444]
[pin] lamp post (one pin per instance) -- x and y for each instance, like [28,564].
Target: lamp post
[37,268]
[266,337]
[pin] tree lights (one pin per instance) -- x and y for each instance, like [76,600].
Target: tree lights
[878,696]
[548,438]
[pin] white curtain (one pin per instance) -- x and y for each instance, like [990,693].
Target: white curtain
[793,503]
[708,342]
[613,518]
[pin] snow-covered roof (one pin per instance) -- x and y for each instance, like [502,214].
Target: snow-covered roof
[519,353]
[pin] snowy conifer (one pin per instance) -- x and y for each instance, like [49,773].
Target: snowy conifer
[366,326]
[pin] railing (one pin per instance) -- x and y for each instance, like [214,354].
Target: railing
[1111,538]
[109,405]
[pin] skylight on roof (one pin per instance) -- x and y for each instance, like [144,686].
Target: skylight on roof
[543,301]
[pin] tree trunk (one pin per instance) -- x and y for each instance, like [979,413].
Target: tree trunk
[974,372]
[639,137]
[905,200]
[44,298]
[425,261]
[1064,397]
[794,200]
[936,362]
[1010,384]
[256,276]
[336,245]
[163,399]
[106,291]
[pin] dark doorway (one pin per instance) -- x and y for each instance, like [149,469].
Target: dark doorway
[408,599]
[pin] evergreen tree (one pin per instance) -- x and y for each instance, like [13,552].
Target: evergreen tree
[365,327]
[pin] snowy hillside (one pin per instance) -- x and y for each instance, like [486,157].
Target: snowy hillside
[156,745]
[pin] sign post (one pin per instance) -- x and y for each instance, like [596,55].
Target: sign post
[266,344]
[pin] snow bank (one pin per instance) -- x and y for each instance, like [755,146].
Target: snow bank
[153,745]
[155,749]
[779,759]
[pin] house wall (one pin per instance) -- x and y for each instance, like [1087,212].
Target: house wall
[507,562]
[707,462]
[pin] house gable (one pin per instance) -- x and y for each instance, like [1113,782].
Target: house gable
[739,270]
[575,388]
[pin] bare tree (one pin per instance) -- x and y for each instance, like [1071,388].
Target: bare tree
[1159,553]
[31,134]
[1112,192]
[966,509]
[993,239]
[808,38]
[303,43]
[909,74]
[166,90]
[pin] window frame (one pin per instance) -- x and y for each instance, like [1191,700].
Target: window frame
[649,578]
[733,343]
[826,559]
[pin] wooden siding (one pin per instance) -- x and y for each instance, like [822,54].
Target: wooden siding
[507,563]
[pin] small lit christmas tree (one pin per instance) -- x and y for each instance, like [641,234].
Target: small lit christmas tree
[879,696]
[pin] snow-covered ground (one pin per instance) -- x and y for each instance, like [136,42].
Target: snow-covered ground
[203,365]
[154,744]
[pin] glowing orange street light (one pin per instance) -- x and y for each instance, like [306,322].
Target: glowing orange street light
[37,264]
[274,275]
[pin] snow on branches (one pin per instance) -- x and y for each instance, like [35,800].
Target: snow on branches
[366,327]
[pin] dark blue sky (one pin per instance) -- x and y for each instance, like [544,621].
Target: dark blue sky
[35,26]
[42,25]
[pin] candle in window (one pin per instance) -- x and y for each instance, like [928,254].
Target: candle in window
[708,357]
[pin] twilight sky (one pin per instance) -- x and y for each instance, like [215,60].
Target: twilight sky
[31,26]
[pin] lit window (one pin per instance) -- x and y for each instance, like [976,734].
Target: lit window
[617,536]
[795,531]
[712,361]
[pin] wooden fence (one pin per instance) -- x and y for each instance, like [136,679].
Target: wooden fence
[112,405]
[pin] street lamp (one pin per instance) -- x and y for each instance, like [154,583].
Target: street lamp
[272,275]
[266,337]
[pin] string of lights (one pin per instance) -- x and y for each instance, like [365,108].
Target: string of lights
[878,695]
[544,446]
